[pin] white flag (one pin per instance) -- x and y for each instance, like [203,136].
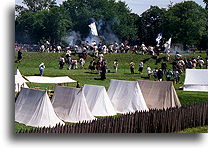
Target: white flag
[159,37]
[167,44]
[93,29]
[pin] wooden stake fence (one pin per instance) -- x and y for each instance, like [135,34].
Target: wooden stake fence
[154,121]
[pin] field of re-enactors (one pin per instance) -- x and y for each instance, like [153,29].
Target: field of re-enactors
[31,60]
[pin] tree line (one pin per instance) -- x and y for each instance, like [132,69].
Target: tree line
[185,22]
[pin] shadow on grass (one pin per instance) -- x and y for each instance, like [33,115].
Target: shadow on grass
[130,73]
[145,77]
[91,72]
[99,79]
[145,60]
[158,60]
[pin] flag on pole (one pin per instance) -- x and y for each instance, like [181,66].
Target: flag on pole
[93,29]
[159,37]
[167,44]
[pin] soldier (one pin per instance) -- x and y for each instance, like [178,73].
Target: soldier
[41,69]
[132,64]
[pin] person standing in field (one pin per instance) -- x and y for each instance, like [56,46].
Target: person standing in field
[143,49]
[149,72]
[92,65]
[19,56]
[155,74]
[141,66]
[132,64]
[160,74]
[81,62]
[103,70]
[169,75]
[41,69]
[99,66]
[201,63]
[115,66]
[167,55]
[176,76]
[61,62]
[164,67]
[194,63]
[68,61]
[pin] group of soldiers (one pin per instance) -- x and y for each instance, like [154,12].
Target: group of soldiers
[97,51]
[93,48]
[179,65]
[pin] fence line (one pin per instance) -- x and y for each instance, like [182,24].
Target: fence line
[154,121]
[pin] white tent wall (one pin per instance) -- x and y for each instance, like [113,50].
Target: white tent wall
[70,104]
[196,80]
[195,88]
[126,96]
[98,100]
[19,81]
[55,80]
[34,108]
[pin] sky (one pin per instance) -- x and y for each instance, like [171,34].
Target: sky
[139,6]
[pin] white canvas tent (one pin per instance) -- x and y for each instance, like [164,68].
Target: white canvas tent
[159,95]
[70,104]
[55,80]
[34,108]
[98,100]
[19,81]
[126,96]
[196,80]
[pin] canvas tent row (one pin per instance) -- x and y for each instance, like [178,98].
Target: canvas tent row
[55,80]
[34,108]
[126,96]
[159,95]
[70,105]
[98,100]
[196,80]
[19,81]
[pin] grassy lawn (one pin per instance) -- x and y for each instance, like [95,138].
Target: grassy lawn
[19,126]
[31,60]
[203,129]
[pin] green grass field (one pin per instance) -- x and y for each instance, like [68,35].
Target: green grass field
[31,60]
[203,129]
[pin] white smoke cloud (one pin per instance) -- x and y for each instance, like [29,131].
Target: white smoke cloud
[73,38]
[104,30]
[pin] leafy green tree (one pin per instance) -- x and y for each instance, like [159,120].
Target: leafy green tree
[19,9]
[206,2]
[186,22]
[55,22]
[107,13]
[51,24]
[24,27]
[152,23]
[37,5]
[58,24]
[125,26]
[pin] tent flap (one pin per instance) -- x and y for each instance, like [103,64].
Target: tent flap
[98,100]
[70,104]
[126,96]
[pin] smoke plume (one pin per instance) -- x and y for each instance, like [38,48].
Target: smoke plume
[104,30]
